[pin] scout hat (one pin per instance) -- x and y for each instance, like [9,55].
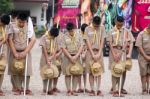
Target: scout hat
[118,69]
[47,72]
[55,69]
[2,65]
[57,62]
[128,64]
[76,69]
[96,69]
[19,65]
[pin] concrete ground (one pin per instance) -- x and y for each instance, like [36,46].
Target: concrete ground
[132,85]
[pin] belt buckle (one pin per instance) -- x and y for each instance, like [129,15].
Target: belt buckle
[119,47]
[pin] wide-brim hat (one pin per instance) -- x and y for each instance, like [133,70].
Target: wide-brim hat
[76,69]
[118,69]
[55,69]
[47,72]
[96,69]
[19,65]
[57,62]
[2,64]
[128,64]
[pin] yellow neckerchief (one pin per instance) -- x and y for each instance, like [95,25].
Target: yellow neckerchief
[52,45]
[21,33]
[3,32]
[95,37]
[73,39]
[118,35]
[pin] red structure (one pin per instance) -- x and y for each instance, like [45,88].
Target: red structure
[140,15]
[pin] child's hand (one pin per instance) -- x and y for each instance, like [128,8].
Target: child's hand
[22,54]
[128,56]
[16,54]
[49,64]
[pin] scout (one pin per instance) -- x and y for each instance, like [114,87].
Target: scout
[83,56]
[72,47]
[4,20]
[95,38]
[121,45]
[143,44]
[58,60]
[19,50]
[13,17]
[49,48]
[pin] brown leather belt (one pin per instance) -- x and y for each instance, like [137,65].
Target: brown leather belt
[118,47]
[72,54]
[95,49]
[19,50]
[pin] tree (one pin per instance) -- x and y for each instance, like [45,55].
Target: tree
[6,6]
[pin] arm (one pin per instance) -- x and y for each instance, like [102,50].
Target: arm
[114,54]
[45,53]
[101,41]
[4,41]
[141,50]
[28,48]
[79,51]
[59,53]
[15,53]
[132,40]
[130,50]
[66,53]
[30,45]
[101,47]
[111,47]
[89,47]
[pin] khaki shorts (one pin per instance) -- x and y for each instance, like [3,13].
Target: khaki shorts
[144,66]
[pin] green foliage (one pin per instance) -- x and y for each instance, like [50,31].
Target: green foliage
[43,29]
[6,6]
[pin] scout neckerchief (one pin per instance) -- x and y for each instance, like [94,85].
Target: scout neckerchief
[73,39]
[3,32]
[51,49]
[95,36]
[21,34]
[117,36]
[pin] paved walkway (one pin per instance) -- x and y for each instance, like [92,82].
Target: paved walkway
[132,85]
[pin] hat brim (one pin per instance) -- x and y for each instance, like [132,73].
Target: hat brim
[115,74]
[56,73]
[98,73]
[80,67]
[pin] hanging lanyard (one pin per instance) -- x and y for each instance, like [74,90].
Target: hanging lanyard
[73,39]
[95,36]
[118,35]
[51,50]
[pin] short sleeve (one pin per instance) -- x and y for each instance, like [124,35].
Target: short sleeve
[103,32]
[81,41]
[63,44]
[86,30]
[139,40]
[9,29]
[42,41]
[130,37]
